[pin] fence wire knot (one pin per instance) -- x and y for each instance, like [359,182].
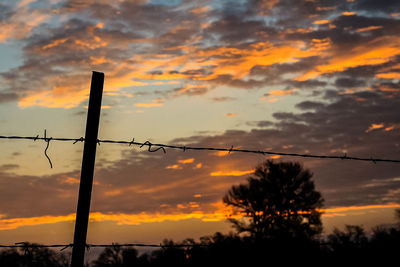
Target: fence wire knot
[148,143]
[78,140]
[47,140]
[132,142]
[67,246]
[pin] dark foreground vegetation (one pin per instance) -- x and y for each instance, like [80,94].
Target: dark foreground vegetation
[281,226]
[351,246]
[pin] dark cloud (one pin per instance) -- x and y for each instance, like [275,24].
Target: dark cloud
[8,167]
[308,84]
[236,30]
[260,124]
[222,99]
[29,196]
[6,12]
[388,6]
[348,82]
[306,105]
[6,97]
[230,80]
[275,74]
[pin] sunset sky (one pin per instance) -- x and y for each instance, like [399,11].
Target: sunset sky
[294,76]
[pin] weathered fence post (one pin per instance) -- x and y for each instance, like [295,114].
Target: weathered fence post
[88,161]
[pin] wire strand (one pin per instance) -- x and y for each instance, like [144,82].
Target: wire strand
[26,245]
[185,148]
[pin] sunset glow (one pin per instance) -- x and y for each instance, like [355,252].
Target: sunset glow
[297,77]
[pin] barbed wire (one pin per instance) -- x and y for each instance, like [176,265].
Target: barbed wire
[154,147]
[26,245]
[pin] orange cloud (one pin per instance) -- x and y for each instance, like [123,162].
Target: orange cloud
[70,180]
[112,193]
[239,62]
[230,114]
[186,161]
[175,167]
[348,13]
[224,153]
[370,28]
[388,75]
[54,43]
[320,22]
[200,10]
[231,173]
[374,126]
[59,97]
[217,212]
[199,165]
[7,224]
[234,61]
[281,92]
[275,157]
[148,105]
[375,52]
[21,22]
[321,44]
[341,211]
[392,127]
[70,90]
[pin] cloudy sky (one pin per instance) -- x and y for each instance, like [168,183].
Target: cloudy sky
[304,76]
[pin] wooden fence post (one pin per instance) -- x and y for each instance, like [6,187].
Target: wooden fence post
[88,161]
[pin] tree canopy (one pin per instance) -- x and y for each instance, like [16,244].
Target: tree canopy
[280,200]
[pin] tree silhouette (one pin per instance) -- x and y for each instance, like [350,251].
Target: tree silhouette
[279,201]
[32,257]
[118,257]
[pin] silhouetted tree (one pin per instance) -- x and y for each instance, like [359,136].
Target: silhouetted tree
[279,201]
[119,257]
[169,255]
[32,257]
[348,246]
[352,238]
[384,245]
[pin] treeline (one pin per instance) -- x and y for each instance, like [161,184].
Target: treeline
[350,246]
[353,245]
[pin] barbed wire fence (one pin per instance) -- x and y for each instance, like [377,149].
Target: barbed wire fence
[25,245]
[154,147]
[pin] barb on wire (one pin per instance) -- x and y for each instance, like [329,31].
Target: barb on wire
[47,140]
[148,143]
[78,140]
[163,147]
[132,142]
